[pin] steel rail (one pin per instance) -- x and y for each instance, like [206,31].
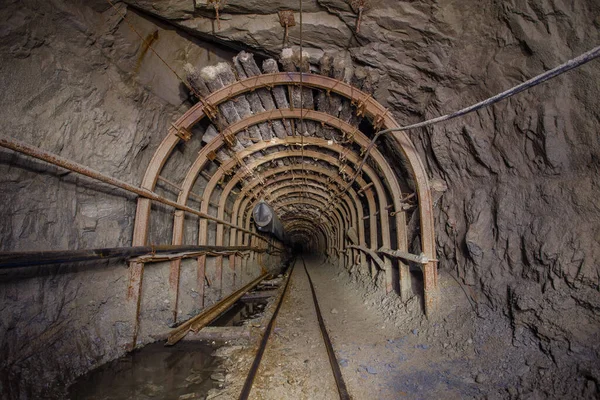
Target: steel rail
[247,388]
[335,367]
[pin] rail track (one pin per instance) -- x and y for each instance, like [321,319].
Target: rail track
[335,368]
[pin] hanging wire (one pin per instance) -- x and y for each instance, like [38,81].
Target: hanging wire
[541,78]
[149,46]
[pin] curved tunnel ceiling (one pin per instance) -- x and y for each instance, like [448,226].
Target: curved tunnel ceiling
[295,140]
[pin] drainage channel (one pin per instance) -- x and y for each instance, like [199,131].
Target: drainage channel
[187,370]
[155,371]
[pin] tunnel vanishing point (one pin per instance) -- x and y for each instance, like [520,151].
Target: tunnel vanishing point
[409,189]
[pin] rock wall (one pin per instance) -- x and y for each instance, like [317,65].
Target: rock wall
[77,81]
[516,184]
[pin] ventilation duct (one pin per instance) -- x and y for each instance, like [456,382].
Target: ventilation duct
[267,221]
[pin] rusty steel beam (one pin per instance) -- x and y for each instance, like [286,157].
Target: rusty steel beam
[178,188]
[209,314]
[373,254]
[150,258]
[416,258]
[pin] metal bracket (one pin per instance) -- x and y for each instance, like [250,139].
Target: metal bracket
[229,139]
[216,4]
[359,6]
[182,133]
[378,122]
[210,110]
[361,108]
[211,156]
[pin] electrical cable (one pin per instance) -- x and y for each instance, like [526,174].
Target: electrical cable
[541,78]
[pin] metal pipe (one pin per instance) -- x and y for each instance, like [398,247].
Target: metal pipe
[35,152]
[179,189]
[420,259]
[24,259]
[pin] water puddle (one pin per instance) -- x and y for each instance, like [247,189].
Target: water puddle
[241,311]
[176,372]
[153,372]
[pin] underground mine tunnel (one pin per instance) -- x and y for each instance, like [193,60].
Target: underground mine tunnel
[307,199]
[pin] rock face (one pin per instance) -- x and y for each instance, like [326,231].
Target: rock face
[517,210]
[518,222]
[78,82]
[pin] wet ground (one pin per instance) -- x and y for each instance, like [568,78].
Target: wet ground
[386,349]
[154,372]
[185,371]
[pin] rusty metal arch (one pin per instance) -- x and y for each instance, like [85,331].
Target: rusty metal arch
[242,201]
[308,154]
[342,219]
[232,183]
[342,215]
[348,129]
[368,105]
[332,160]
[315,187]
[337,220]
[284,193]
[304,220]
[367,193]
[356,135]
[350,199]
[312,234]
[337,214]
[314,191]
[382,198]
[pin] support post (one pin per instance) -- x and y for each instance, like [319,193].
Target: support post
[201,276]
[134,294]
[174,274]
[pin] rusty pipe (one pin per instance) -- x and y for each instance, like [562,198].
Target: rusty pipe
[35,152]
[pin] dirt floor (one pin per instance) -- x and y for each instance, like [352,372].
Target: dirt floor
[386,349]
